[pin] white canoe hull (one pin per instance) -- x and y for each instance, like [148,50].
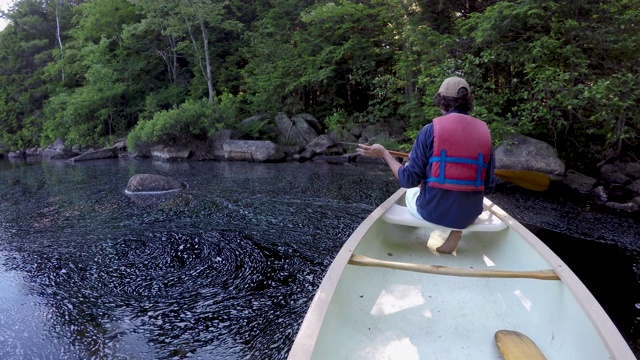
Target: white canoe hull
[380,313]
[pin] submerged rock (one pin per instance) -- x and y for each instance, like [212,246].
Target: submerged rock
[153,183]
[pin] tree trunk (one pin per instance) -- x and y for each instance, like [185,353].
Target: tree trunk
[205,41]
[170,58]
[59,38]
[205,68]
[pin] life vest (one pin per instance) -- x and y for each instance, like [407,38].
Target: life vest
[461,152]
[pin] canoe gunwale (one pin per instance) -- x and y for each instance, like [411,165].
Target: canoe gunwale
[308,333]
[609,333]
[303,346]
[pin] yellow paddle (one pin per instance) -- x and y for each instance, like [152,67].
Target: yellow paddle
[362,260]
[517,346]
[532,180]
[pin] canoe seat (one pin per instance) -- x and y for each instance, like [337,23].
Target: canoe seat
[398,214]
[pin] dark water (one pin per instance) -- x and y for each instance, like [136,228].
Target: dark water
[227,268]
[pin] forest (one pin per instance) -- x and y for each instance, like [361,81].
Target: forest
[90,72]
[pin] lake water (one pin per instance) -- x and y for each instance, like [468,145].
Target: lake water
[226,268]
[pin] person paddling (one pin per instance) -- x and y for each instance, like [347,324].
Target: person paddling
[450,165]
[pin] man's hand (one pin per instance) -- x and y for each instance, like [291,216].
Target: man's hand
[372,151]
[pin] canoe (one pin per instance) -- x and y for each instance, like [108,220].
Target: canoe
[389,295]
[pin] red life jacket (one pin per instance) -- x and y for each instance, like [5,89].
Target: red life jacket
[461,151]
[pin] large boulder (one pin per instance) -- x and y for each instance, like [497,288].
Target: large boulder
[153,183]
[307,120]
[300,130]
[374,133]
[320,145]
[253,150]
[58,150]
[216,142]
[520,152]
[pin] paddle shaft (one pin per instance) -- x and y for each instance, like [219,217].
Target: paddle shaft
[451,271]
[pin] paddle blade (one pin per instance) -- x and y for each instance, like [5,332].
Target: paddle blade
[517,346]
[531,180]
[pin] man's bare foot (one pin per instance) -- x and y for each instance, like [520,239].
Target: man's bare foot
[451,243]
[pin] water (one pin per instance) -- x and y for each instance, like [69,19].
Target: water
[223,270]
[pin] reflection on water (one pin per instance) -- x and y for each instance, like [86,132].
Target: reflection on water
[224,269]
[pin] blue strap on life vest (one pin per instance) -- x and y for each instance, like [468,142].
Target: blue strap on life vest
[443,160]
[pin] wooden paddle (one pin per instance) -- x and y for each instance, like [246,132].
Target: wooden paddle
[532,180]
[517,346]
[445,270]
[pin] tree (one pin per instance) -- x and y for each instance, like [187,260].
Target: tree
[107,77]
[197,21]
[25,49]
[560,71]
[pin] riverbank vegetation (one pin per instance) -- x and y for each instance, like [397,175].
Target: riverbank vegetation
[91,71]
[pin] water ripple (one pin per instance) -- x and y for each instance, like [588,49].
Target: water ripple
[224,269]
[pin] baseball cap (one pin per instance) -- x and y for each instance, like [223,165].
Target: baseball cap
[451,86]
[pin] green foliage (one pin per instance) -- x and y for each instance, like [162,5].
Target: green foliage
[164,99]
[563,72]
[174,126]
[388,143]
[86,114]
[338,120]
[193,119]
[258,129]
[557,72]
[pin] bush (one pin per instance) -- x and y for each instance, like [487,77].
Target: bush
[192,119]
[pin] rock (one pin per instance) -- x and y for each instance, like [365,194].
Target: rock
[172,153]
[579,182]
[356,130]
[635,187]
[121,144]
[337,159]
[15,154]
[601,194]
[253,150]
[257,127]
[628,207]
[307,120]
[319,145]
[153,183]
[106,153]
[299,130]
[33,152]
[58,150]
[216,142]
[373,133]
[341,135]
[632,170]
[520,152]
[612,174]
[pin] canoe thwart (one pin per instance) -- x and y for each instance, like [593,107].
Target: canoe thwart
[398,214]
[362,260]
[514,345]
